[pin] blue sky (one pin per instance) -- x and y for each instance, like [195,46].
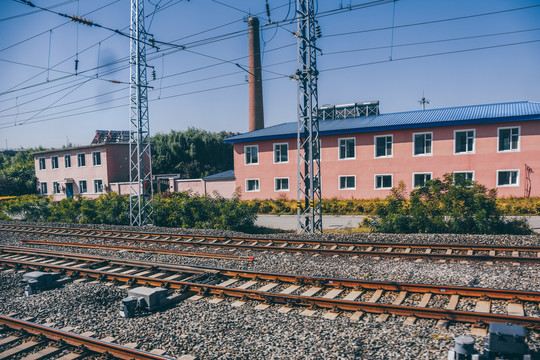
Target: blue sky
[202,87]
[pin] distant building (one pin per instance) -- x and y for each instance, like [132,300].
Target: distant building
[364,154]
[85,170]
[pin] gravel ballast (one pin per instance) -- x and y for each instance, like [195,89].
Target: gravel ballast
[221,331]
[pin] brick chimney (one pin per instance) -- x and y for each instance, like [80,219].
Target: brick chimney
[256,114]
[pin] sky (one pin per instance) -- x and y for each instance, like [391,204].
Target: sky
[454,52]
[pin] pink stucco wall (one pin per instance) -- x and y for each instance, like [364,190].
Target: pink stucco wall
[484,162]
[224,188]
[114,167]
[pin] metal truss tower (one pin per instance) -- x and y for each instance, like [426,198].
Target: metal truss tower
[309,211]
[140,175]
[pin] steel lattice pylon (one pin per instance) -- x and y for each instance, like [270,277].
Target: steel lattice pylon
[309,213]
[140,175]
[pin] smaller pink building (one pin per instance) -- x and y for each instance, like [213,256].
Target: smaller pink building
[222,184]
[85,170]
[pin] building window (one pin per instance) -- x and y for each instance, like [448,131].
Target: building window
[420,179]
[42,164]
[54,162]
[507,177]
[56,187]
[422,144]
[82,186]
[281,154]
[252,154]
[346,148]
[67,161]
[96,158]
[98,186]
[43,188]
[252,185]
[383,146]
[509,139]
[383,181]
[463,176]
[464,141]
[347,182]
[81,160]
[281,184]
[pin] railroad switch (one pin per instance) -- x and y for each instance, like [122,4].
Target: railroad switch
[37,281]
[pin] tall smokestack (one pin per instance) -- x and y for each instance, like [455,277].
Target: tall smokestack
[256,114]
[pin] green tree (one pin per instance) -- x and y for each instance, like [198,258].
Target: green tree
[17,175]
[192,153]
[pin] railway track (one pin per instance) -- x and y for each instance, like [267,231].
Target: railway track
[330,297]
[442,252]
[30,341]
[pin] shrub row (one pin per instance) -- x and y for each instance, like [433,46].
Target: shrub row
[174,210]
[508,206]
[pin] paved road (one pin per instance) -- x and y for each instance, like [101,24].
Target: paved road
[288,222]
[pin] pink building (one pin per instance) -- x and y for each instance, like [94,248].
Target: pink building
[364,154]
[221,184]
[86,170]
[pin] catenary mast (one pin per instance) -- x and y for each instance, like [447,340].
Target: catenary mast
[140,176]
[309,211]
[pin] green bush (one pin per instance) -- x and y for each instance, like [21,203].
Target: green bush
[444,206]
[170,210]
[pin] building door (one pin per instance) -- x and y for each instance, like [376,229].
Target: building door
[69,190]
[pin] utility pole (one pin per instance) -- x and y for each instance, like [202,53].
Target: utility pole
[309,207]
[141,204]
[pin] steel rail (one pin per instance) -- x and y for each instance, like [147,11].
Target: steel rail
[146,237]
[385,254]
[336,305]
[502,294]
[140,249]
[95,345]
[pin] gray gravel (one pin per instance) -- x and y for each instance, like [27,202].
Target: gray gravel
[220,331]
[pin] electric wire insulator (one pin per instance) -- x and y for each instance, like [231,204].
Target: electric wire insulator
[318,31]
[81,20]
[153,74]
[268,11]
[76,65]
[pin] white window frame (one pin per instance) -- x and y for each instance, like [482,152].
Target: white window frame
[413,144]
[375,146]
[354,149]
[346,188]
[420,173]
[52,162]
[41,188]
[245,155]
[56,186]
[67,157]
[282,178]
[509,185]
[518,143]
[40,160]
[85,185]
[84,156]
[473,151]
[274,153]
[383,188]
[461,172]
[102,186]
[258,183]
[93,159]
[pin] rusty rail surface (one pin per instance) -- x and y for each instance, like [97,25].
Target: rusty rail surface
[76,340]
[201,285]
[350,248]
[139,249]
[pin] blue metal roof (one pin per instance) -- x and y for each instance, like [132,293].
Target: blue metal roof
[225,175]
[461,115]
